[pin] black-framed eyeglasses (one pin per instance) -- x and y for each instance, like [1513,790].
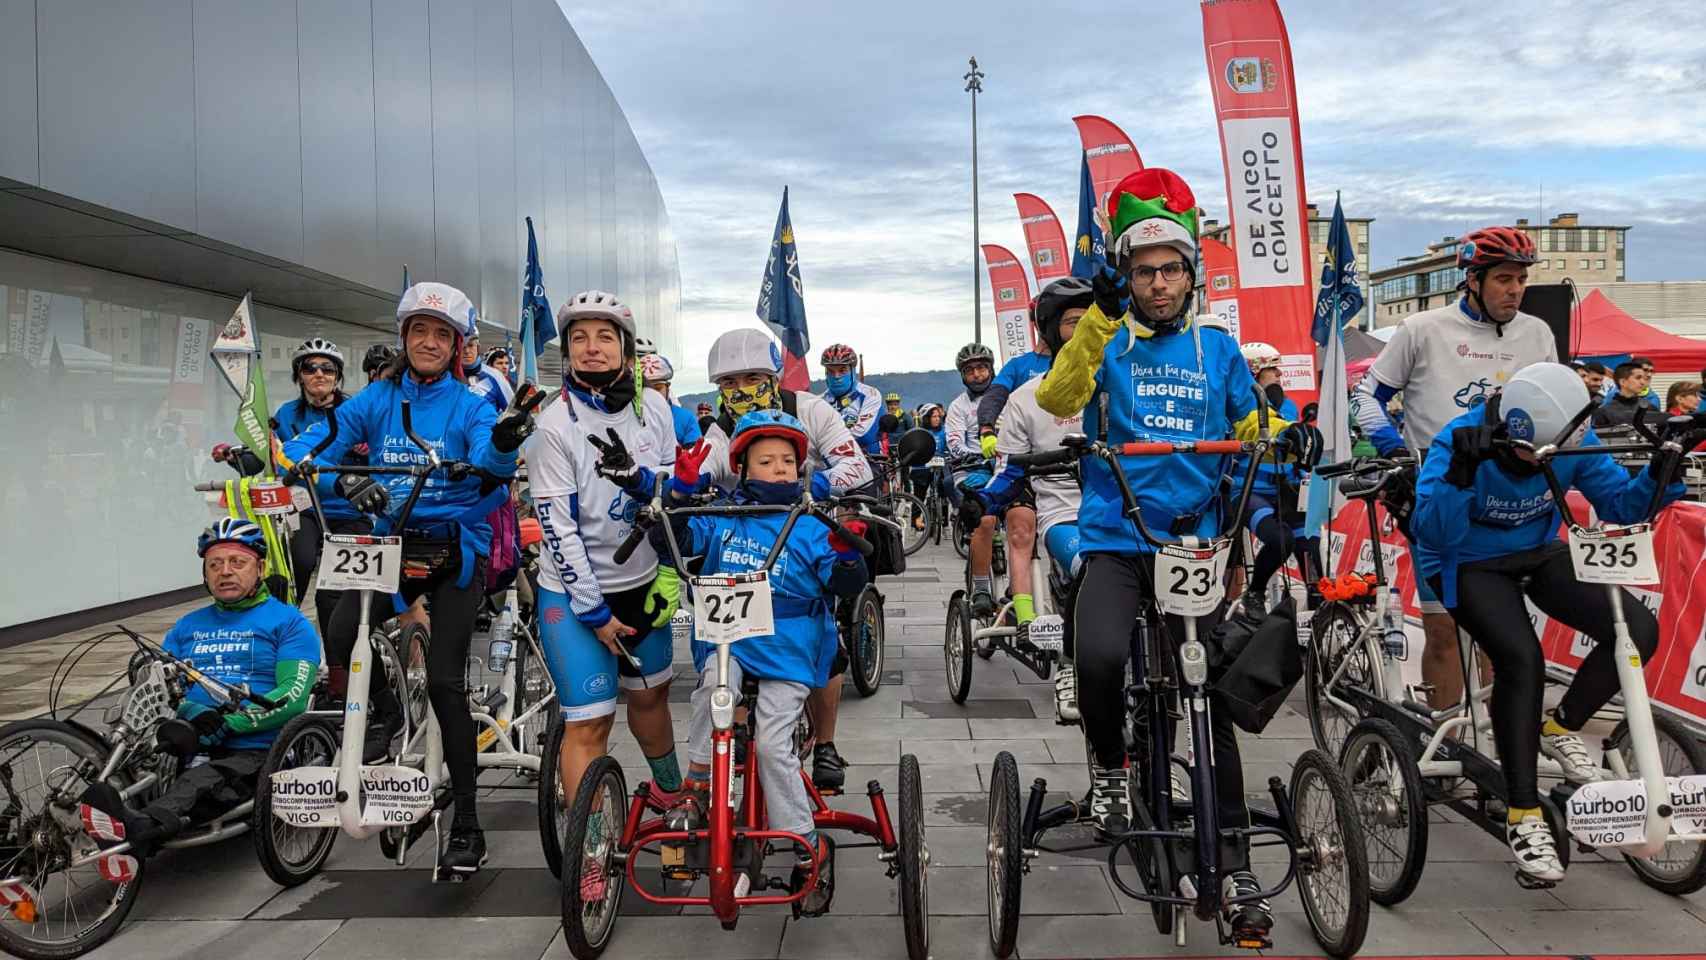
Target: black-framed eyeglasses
[328,369]
[1170,271]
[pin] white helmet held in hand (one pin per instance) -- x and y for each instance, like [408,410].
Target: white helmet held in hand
[1541,401]
[747,350]
[1260,356]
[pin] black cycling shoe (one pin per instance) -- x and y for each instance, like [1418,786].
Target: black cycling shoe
[1251,921]
[829,771]
[982,605]
[466,852]
[381,730]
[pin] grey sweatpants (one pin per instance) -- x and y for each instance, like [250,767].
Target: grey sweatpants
[778,709]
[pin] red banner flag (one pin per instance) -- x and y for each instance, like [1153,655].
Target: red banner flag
[1012,294]
[1111,154]
[1255,103]
[1043,238]
[1220,283]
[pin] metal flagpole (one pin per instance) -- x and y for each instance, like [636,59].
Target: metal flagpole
[974,86]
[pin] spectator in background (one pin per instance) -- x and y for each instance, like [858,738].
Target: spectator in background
[1652,392]
[1593,373]
[1619,411]
[1683,398]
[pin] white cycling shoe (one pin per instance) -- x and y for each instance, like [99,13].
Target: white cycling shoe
[1110,800]
[1572,755]
[1065,694]
[1536,852]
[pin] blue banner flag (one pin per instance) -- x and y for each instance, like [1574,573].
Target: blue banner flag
[1340,297]
[538,326]
[1088,248]
[781,299]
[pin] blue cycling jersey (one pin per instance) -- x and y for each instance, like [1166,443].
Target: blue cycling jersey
[295,416]
[687,431]
[1504,514]
[244,646]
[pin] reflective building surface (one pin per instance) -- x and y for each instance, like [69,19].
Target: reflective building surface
[158,158]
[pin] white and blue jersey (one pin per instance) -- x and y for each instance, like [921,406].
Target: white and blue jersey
[456,423]
[492,387]
[1504,514]
[860,409]
[245,646]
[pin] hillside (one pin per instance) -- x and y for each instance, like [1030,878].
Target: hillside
[937,386]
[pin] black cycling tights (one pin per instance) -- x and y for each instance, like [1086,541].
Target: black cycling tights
[453,611]
[1103,617]
[1277,543]
[1490,608]
[305,547]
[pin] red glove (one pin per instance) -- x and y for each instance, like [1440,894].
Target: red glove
[684,478]
[842,547]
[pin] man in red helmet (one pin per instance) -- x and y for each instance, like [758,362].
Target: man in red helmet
[1444,360]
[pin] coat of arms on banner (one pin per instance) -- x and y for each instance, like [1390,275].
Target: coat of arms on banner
[1251,75]
[1007,295]
[1045,257]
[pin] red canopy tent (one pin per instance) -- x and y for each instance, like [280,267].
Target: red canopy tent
[1604,330]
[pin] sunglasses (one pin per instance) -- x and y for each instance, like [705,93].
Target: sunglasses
[328,369]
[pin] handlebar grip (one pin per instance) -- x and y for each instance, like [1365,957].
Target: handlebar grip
[854,540]
[1047,458]
[1157,449]
[627,547]
[1342,469]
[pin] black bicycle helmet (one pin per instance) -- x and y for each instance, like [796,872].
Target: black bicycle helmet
[1052,304]
[377,357]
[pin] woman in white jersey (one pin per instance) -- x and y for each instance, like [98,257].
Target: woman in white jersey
[599,618]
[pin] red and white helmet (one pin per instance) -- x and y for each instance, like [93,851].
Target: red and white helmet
[1260,356]
[656,368]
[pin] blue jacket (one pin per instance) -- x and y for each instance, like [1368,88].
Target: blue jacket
[1014,374]
[1268,473]
[806,575]
[248,646]
[1158,388]
[687,431]
[293,417]
[447,415]
[1501,514]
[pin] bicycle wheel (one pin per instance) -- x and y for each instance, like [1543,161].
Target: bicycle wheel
[293,855]
[404,653]
[1004,855]
[1332,876]
[957,647]
[938,519]
[553,812]
[1387,787]
[914,857]
[910,514]
[533,687]
[1680,868]
[593,879]
[1150,857]
[866,652]
[962,546]
[1335,642]
[44,767]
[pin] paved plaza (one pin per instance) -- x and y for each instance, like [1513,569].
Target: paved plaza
[216,903]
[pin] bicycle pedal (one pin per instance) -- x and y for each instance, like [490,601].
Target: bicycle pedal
[1253,943]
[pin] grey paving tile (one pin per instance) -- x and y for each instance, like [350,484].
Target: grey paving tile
[956,809]
[898,729]
[1122,936]
[216,940]
[1613,886]
[758,937]
[837,937]
[408,893]
[953,751]
[983,708]
[197,895]
[934,778]
[1397,932]
[1012,729]
[440,938]
[1588,931]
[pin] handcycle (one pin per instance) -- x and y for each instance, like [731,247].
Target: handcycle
[966,633]
[1175,846]
[62,893]
[601,836]
[891,473]
[1403,756]
[400,799]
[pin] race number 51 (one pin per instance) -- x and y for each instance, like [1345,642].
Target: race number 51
[1191,581]
[1614,554]
[732,607]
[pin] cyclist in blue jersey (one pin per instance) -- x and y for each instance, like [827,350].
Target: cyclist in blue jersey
[930,416]
[492,385]
[1486,537]
[1274,514]
[657,372]
[859,404]
[244,637]
[1013,374]
[448,534]
[1165,378]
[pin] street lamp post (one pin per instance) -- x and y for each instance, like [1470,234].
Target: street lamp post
[974,86]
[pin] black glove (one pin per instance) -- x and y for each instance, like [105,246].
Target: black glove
[971,510]
[362,492]
[209,725]
[616,464]
[1112,292]
[889,423]
[517,422]
[1275,394]
[1302,443]
[1470,446]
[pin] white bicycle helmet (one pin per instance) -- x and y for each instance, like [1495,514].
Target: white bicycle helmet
[1260,356]
[747,350]
[443,301]
[644,347]
[1541,401]
[596,305]
[317,347]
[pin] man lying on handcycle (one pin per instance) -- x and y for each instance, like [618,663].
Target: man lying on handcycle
[1486,528]
[765,453]
[245,637]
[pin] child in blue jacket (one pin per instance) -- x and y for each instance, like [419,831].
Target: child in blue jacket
[814,566]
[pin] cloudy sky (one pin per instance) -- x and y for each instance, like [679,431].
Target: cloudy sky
[1432,118]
